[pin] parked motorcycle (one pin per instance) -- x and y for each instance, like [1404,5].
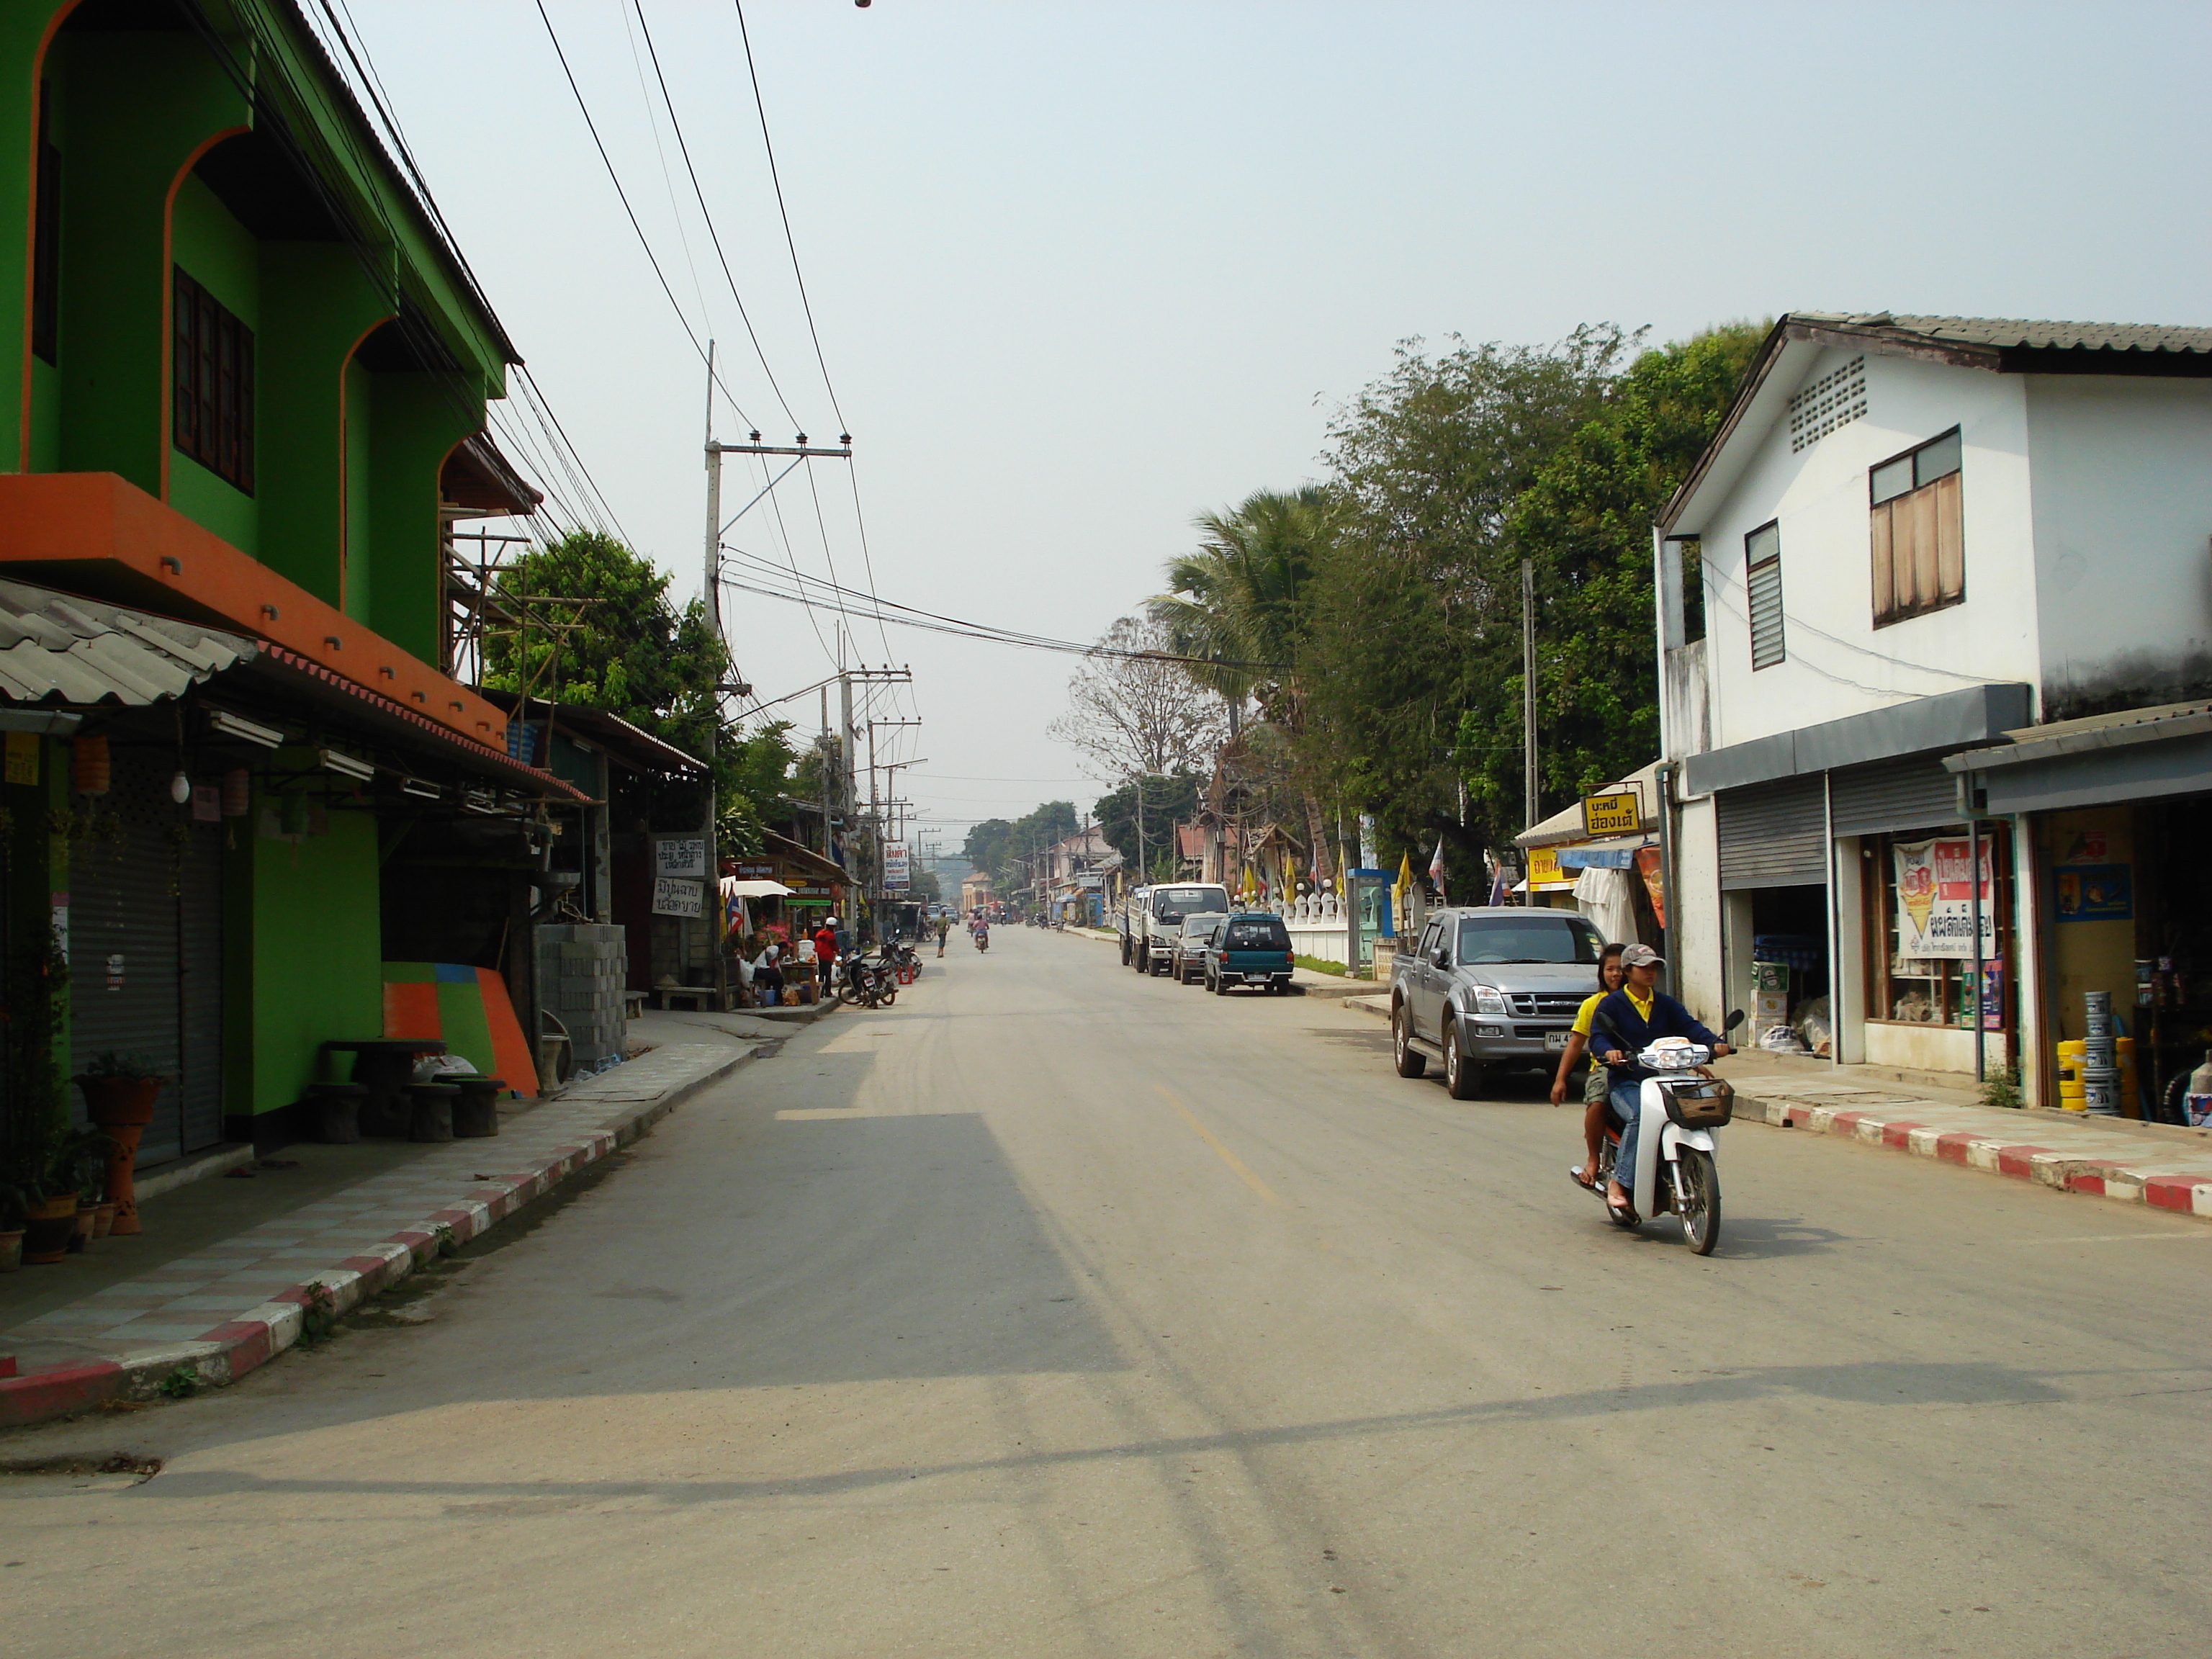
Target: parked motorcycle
[1679,1106]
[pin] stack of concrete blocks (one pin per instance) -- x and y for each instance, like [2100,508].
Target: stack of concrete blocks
[582,967]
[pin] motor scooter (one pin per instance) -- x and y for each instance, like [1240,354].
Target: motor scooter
[982,939]
[1679,1107]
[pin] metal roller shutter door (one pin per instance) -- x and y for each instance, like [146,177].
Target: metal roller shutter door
[131,896]
[1906,794]
[1773,835]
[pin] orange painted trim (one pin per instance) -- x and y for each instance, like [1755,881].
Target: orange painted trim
[31,224]
[97,534]
[169,300]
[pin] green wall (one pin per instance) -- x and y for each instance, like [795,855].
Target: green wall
[314,968]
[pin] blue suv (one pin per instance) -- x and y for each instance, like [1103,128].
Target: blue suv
[1253,947]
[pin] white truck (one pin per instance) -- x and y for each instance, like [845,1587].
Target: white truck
[1151,921]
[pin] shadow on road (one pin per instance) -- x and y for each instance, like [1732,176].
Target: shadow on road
[1870,1383]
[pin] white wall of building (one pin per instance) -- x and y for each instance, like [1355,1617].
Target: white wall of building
[2123,508]
[1837,662]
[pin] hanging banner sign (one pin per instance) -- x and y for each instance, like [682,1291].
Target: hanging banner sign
[1619,813]
[895,866]
[672,897]
[1655,882]
[1545,874]
[1936,899]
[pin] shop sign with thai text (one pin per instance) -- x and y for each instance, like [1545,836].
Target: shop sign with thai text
[680,856]
[895,866]
[1544,869]
[1618,813]
[1936,899]
[672,896]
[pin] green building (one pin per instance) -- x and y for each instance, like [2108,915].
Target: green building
[242,410]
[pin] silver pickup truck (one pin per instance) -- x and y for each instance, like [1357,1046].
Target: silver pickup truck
[1489,987]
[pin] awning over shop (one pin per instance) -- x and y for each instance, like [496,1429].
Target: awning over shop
[2132,755]
[56,648]
[1618,853]
[755,888]
[1564,828]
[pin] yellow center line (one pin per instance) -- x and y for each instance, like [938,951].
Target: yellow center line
[1243,1170]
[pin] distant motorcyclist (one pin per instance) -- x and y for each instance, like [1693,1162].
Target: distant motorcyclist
[1626,1024]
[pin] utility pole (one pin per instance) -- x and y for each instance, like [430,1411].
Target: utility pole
[712,593]
[1528,693]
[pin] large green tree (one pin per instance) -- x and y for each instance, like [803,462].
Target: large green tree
[1419,593]
[1584,522]
[1167,801]
[593,625]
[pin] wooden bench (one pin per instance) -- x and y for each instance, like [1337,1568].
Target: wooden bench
[633,1004]
[702,996]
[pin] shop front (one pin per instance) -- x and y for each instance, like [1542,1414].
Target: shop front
[2108,813]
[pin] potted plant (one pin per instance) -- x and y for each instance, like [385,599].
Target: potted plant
[120,1092]
[69,1164]
[11,1228]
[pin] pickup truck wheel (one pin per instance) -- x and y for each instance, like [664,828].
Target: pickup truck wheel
[1125,949]
[1462,1077]
[1411,1062]
[1219,986]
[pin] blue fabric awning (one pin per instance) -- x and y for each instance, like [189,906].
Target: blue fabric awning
[1620,854]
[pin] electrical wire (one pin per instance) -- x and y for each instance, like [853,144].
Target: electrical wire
[844,601]
[660,276]
[684,149]
[790,241]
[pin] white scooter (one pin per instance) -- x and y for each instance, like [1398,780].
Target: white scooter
[1681,1106]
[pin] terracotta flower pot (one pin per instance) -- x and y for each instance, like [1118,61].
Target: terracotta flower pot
[81,1225]
[103,1219]
[115,1102]
[47,1228]
[11,1249]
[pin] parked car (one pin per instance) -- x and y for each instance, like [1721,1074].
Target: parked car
[1198,931]
[1490,986]
[1152,921]
[1252,947]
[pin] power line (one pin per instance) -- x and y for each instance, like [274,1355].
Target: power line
[790,241]
[615,179]
[684,149]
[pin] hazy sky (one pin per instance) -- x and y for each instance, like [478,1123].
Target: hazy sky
[1082,270]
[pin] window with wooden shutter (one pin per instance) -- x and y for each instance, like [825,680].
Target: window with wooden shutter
[1917,532]
[211,384]
[1762,562]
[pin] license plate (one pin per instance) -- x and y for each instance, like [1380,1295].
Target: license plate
[1555,1041]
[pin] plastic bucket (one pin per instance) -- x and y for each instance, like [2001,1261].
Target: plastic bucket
[2101,1090]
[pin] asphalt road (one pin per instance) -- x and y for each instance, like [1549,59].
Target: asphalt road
[1057,1311]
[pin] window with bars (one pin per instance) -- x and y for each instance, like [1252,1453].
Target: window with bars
[212,385]
[1918,531]
[1762,581]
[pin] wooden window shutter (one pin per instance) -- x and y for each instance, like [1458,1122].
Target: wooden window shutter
[1950,541]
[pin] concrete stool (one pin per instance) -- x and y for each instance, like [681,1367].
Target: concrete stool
[433,1110]
[476,1114]
[332,1111]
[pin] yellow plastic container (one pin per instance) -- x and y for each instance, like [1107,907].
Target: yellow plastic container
[2072,1097]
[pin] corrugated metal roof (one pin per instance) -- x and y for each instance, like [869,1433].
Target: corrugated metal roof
[59,649]
[2015,333]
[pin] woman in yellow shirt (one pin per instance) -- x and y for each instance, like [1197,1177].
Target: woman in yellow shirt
[1610,977]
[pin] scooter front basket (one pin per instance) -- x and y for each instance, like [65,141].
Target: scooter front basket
[1699,1102]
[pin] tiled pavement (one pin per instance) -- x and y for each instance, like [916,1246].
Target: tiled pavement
[2161,1165]
[231,1305]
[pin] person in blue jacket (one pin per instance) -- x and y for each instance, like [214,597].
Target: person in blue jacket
[1626,1024]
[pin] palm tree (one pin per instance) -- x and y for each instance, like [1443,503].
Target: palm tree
[1240,603]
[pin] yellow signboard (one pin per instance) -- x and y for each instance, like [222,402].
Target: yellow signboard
[1544,869]
[22,757]
[1620,813]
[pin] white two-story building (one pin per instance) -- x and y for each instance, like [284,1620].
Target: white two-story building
[1942,585]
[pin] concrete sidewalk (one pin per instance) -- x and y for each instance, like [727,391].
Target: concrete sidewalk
[238,1295]
[2166,1167]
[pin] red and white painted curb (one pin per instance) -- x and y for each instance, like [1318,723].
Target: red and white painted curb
[230,1349]
[2086,1159]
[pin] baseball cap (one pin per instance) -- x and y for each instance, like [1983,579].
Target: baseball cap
[1642,955]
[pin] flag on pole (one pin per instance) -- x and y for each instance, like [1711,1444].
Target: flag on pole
[1405,876]
[1437,867]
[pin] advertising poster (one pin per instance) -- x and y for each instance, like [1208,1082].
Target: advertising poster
[895,866]
[1936,899]
[2094,892]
